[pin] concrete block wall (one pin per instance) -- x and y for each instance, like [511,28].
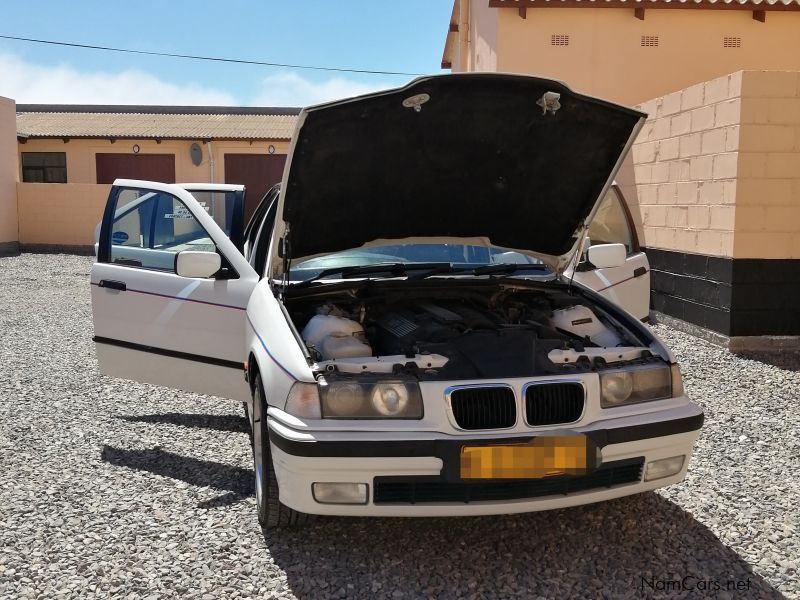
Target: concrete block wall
[685,164]
[56,216]
[717,170]
[767,220]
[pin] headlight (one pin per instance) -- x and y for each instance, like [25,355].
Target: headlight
[639,384]
[390,399]
[303,401]
[615,388]
[370,400]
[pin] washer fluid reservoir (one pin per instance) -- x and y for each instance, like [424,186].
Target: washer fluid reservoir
[336,337]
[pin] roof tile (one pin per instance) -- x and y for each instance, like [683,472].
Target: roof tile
[158,126]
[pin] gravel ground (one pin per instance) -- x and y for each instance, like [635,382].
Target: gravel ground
[109,488]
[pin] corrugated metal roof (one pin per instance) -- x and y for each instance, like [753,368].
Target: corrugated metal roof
[152,125]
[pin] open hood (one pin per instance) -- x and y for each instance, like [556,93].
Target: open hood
[518,162]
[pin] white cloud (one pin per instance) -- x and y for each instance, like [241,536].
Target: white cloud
[27,82]
[30,83]
[290,89]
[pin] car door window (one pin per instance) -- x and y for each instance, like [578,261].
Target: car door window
[611,224]
[150,227]
[226,207]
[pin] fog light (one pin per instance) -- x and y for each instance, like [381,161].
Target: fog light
[340,493]
[658,469]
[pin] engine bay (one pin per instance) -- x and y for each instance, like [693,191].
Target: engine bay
[462,333]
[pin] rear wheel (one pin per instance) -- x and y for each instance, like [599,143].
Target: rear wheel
[271,513]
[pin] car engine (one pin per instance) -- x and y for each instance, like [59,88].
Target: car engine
[474,336]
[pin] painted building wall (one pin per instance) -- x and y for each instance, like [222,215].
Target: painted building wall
[81,153]
[57,216]
[483,36]
[8,177]
[604,56]
[767,219]
[685,167]
[717,169]
[475,42]
[64,216]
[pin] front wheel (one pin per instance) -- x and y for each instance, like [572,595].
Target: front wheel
[271,513]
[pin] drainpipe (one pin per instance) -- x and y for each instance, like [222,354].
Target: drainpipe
[464,31]
[211,160]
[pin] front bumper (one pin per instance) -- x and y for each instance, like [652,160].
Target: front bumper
[301,458]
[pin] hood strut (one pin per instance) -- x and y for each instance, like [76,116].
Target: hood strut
[578,253]
[286,251]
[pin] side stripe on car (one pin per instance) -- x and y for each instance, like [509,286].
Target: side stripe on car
[272,357]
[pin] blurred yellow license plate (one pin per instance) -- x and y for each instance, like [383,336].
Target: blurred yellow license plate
[544,456]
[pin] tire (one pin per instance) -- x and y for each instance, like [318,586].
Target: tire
[271,513]
[248,425]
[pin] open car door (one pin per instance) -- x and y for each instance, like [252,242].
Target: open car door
[159,316]
[627,285]
[225,203]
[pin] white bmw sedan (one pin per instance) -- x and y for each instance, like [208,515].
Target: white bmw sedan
[437,312]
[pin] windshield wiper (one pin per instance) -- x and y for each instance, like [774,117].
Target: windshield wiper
[506,268]
[497,269]
[394,269]
[441,269]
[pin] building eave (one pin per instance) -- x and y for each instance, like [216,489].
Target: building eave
[751,5]
[148,109]
[450,42]
[25,136]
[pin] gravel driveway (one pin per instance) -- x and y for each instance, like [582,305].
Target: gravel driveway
[109,488]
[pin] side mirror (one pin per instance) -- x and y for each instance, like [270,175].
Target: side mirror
[193,263]
[605,256]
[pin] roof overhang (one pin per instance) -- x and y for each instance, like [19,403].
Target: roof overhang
[764,5]
[158,109]
[451,41]
[759,8]
[166,138]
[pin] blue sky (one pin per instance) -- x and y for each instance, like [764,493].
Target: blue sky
[403,36]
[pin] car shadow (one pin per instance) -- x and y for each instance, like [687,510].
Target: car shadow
[235,481]
[639,546]
[232,423]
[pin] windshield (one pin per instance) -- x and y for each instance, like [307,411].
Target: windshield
[456,255]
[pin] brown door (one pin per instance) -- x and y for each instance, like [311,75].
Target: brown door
[257,172]
[150,167]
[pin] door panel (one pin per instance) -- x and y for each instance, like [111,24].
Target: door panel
[628,285]
[257,172]
[155,167]
[184,375]
[152,325]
